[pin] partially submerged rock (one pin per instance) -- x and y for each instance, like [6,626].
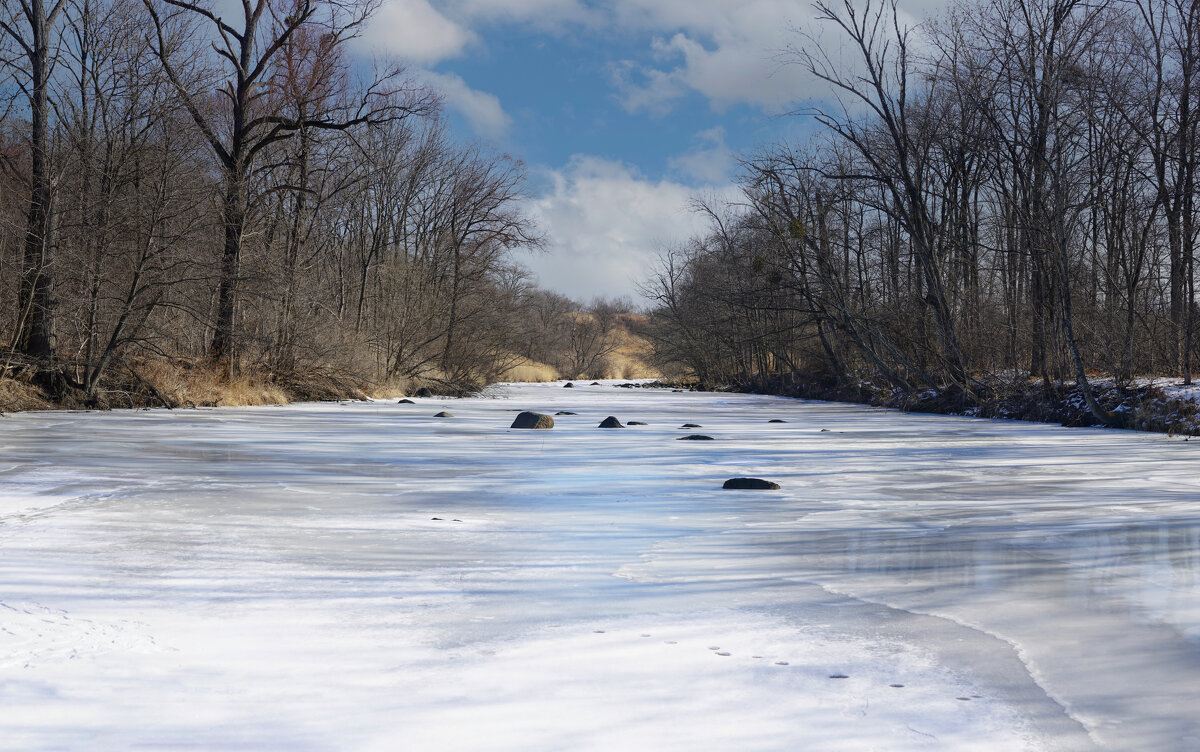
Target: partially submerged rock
[565,412]
[695,437]
[568,385]
[595,383]
[406,401]
[636,423]
[691,425]
[776,420]
[610,422]
[443,414]
[751,484]
[530,419]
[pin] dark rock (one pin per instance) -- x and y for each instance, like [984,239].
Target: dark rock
[595,383]
[568,385]
[424,392]
[677,391]
[565,412]
[635,423]
[776,420]
[752,484]
[695,437]
[533,420]
[691,425]
[610,422]
[443,414]
[406,401]
[823,430]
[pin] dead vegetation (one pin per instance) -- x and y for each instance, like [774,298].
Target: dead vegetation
[17,395]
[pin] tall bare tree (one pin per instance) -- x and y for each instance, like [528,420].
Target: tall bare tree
[33,28]
[245,119]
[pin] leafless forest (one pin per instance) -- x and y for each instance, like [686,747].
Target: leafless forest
[241,197]
[1002,198]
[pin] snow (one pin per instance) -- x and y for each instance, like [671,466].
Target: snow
[274,578]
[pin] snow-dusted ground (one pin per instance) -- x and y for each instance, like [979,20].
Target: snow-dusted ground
[273,578]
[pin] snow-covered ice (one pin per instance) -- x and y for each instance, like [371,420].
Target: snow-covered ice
[274,578]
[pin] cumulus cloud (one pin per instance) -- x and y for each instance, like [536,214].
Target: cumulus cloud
[647,89]
[729,52]
[709,161]
[481,110]
[414,30]
[605,225]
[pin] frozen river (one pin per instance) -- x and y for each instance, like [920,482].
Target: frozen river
[368,577]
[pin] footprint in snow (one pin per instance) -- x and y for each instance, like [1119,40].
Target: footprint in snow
[781,663]
[722,652]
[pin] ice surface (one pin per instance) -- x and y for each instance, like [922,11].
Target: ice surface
[274,578]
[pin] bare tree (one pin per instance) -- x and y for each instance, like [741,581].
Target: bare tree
[245,119]
[33,28]
[892,144]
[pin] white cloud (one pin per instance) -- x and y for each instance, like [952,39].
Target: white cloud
[736,51]
[644,88]
[729,52]
[606,224]
[482,110]
[413,30]
[711,160]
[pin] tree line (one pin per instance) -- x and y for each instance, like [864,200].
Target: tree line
[241,193]
[1002,196]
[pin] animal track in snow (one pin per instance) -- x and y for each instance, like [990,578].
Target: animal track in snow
[33,634]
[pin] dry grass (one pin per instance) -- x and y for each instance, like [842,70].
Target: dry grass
[16,396]
[531,371]
[394,389]
[623,366]
[631,359]
[185,385]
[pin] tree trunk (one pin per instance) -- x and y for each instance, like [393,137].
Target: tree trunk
[37,282]
[223,349]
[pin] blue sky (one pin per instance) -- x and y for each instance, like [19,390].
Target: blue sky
[622,110]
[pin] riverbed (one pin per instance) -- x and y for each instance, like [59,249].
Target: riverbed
[367,576]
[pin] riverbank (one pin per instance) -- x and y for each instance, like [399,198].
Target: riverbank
[1157,405]
[181,383]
